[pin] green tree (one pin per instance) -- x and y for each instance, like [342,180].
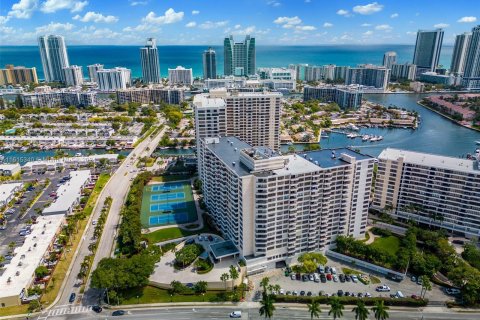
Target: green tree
[336,308]
[200,287]
[426,285]
[41,271]
[233,272]
[264,283]
[314,309]
[34,306]
[224,278]
[266,305]
[380,310]
[361,312]
[176,287]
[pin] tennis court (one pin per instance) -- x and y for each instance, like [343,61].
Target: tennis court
[167,203]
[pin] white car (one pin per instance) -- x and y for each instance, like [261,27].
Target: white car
[368,295]
[335,278]
[383,288]
[354,278]
[293,277]
[236,314]
[94,222]
[310,277]
[282,292]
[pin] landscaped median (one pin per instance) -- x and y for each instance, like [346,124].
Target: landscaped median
[406,302]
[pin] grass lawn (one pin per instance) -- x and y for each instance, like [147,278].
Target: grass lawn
[150,294]
[62,267]
[170,178]
[172,233]
[389,244]
[8,311]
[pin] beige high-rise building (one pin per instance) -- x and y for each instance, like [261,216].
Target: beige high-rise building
[253,117]
[18,75]
[429,189]
[273,207]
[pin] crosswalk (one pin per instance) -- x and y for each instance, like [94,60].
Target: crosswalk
[68,310]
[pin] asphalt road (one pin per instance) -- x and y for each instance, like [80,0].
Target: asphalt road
[251,313]
[117,188]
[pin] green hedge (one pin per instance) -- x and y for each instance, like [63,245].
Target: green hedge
[407,302]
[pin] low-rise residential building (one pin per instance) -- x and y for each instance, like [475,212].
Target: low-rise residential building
[152,94]
[58,98]
[274,207]
[347,97]
[227,82]
[68,194]
[429,189]
[406,71]
[369,75]
[70,163]
[435,78]
[417,86]
[19,274]
[9,169]
[7,192]
[458,111]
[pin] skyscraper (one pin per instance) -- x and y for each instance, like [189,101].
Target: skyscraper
[427,50]
[54,57]
[73,75]
[460,53]
[471,74]
[92,71]
[239,57]
[17,75]
[113,79]
[150,64]
[389,58]
[180,76]
[209,64]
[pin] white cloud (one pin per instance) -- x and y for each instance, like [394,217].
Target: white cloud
[95,17]
[411,33]
[346,37]
[142,28]
[367,33]
[247,30]
[305,28]
[213,25]
[467,19]
[170,16]
[195,12]
[51,6]
[327,25]
[441,25]
[288,21]
[54,27]
[383,27]
[274,3]
[138,3]
[395,15]
[4,19]
[104,34]
[23,9]
[366,25]
[343,12]
[368,8]
[191,24]
[237,26]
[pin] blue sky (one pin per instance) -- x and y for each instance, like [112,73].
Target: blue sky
[203,22]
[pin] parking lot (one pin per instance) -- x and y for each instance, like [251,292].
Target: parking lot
[407,286]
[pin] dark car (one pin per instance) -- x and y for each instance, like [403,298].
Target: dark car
[309,293]
[305,278]
[347,278]
[394,277]
[341,277]
[340,293]
[190,241]
[118,313]
[323,278]
[302,293]
[97,309]
[298,276]
[72,297]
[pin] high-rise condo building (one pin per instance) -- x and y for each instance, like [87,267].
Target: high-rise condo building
[274,207]
[471,74]
[430,189]
[73,75]
[113,79]
[406,71]
[347,97]
[253,117]
[460,53]
[368,75]
[209,64]
[389,58]
[53,53]
[92,71]
[151,94]
[427,50]
[18,75]
[180,76]
[239,57]
[150,64]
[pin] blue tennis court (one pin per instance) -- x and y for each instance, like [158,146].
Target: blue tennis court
[167,206]
[180,217]
[167,186]
[167,196]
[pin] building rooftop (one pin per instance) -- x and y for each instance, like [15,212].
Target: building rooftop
[83,159]
[324,158]
[224,249]
[29,256]
[228,149]
[69,192]
[205,101]
[431,160]
[7,189]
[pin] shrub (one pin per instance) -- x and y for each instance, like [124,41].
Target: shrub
[406,302]
[188,254]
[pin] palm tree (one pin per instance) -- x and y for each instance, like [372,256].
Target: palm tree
[380,310]
[426,285]
[314,309]
[361,312]
[224,278]
[264,283]
[267,308]
[336,308]
[233,274]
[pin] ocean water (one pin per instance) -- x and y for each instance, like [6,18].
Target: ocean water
[191,56]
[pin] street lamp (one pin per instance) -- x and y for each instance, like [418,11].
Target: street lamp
[203,295]
[171,298]
[138,299]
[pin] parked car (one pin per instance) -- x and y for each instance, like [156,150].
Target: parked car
[368,295]
[413,278]
[414,296]
[329,277]
[354,278]
[347,278]
[310,277]
[321,269]
[293,277]
[452,291]
[333,270]
[295,293]
[335,278]
[302,293]
[340,293]
[305,278]
[327,269]
[117,313]
[316,277]
[383,288]
[323,278]
[394,277]
[72,297]
[298,276]
[341,277]
[282,292]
